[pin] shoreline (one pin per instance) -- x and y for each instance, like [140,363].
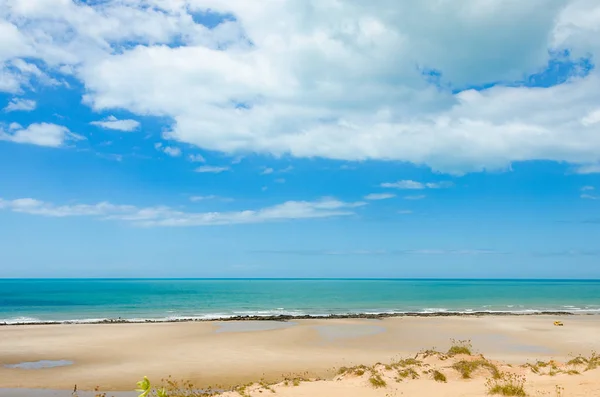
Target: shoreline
[289,317]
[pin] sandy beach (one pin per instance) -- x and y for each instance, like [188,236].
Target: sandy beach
[115,356]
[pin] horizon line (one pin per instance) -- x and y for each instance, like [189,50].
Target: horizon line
[298,278]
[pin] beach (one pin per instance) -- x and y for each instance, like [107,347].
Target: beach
[225,354]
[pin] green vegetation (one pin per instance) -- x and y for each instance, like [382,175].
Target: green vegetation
[507,385]
[467,367]
[358,370]
[407,362]
[377,381]
[439,377]
[407,373]
[460,347]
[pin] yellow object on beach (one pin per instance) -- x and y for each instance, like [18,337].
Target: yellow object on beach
[558,323]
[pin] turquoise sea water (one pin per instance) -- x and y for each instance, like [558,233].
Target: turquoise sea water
[137,300]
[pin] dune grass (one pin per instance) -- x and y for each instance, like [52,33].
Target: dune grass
[467,367]
[377,381]
[460,347]
[510,385]
[439,376]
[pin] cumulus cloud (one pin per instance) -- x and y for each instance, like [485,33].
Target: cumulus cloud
[112,123]
[379,196]
[410,184]
[167,216]
[211,169]
[41,134]
[339,80]
[20,104]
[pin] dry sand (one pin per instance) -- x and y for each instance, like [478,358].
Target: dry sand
[115,356]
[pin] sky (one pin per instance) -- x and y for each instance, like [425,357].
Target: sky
[300,138]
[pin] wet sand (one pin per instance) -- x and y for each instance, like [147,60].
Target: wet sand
[115,356]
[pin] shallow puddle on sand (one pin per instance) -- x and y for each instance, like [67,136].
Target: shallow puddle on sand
[251,326]
[42,364]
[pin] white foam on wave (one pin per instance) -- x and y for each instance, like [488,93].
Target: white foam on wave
[172,316]
[20,320]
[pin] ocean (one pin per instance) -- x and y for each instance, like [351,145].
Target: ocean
[94,300]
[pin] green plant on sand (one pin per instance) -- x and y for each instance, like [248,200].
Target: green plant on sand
[439,377]
[460,347]
[467,367]
[377,381]
[507,385]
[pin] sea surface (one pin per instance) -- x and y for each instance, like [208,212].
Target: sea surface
[93,300]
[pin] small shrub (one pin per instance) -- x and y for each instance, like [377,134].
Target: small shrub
[534,368]
[507,385]
[358,370]
[377,381]
[593,362]
[439,377]
[579,360]
[407,362]
[407,373]
[460,347]
[467,367]
[432,352]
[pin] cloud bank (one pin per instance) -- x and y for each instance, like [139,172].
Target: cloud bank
[346,80]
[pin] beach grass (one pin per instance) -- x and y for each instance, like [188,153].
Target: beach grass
[467,367]
[460,347]
[510,385]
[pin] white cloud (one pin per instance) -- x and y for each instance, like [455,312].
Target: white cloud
[211,197]
[415,197]
[406,184]
[590,197]
[166,216]
[405,212]
[172,151]
[294,78]
[196,158]
[410,184]
[203,198]
[587,188]
[20,104]
[41,134]
[379,196]
[211,169]
[168,150]
[267,171]
[112,123]
[588,169]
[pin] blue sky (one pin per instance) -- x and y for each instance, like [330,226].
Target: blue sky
[199,139]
